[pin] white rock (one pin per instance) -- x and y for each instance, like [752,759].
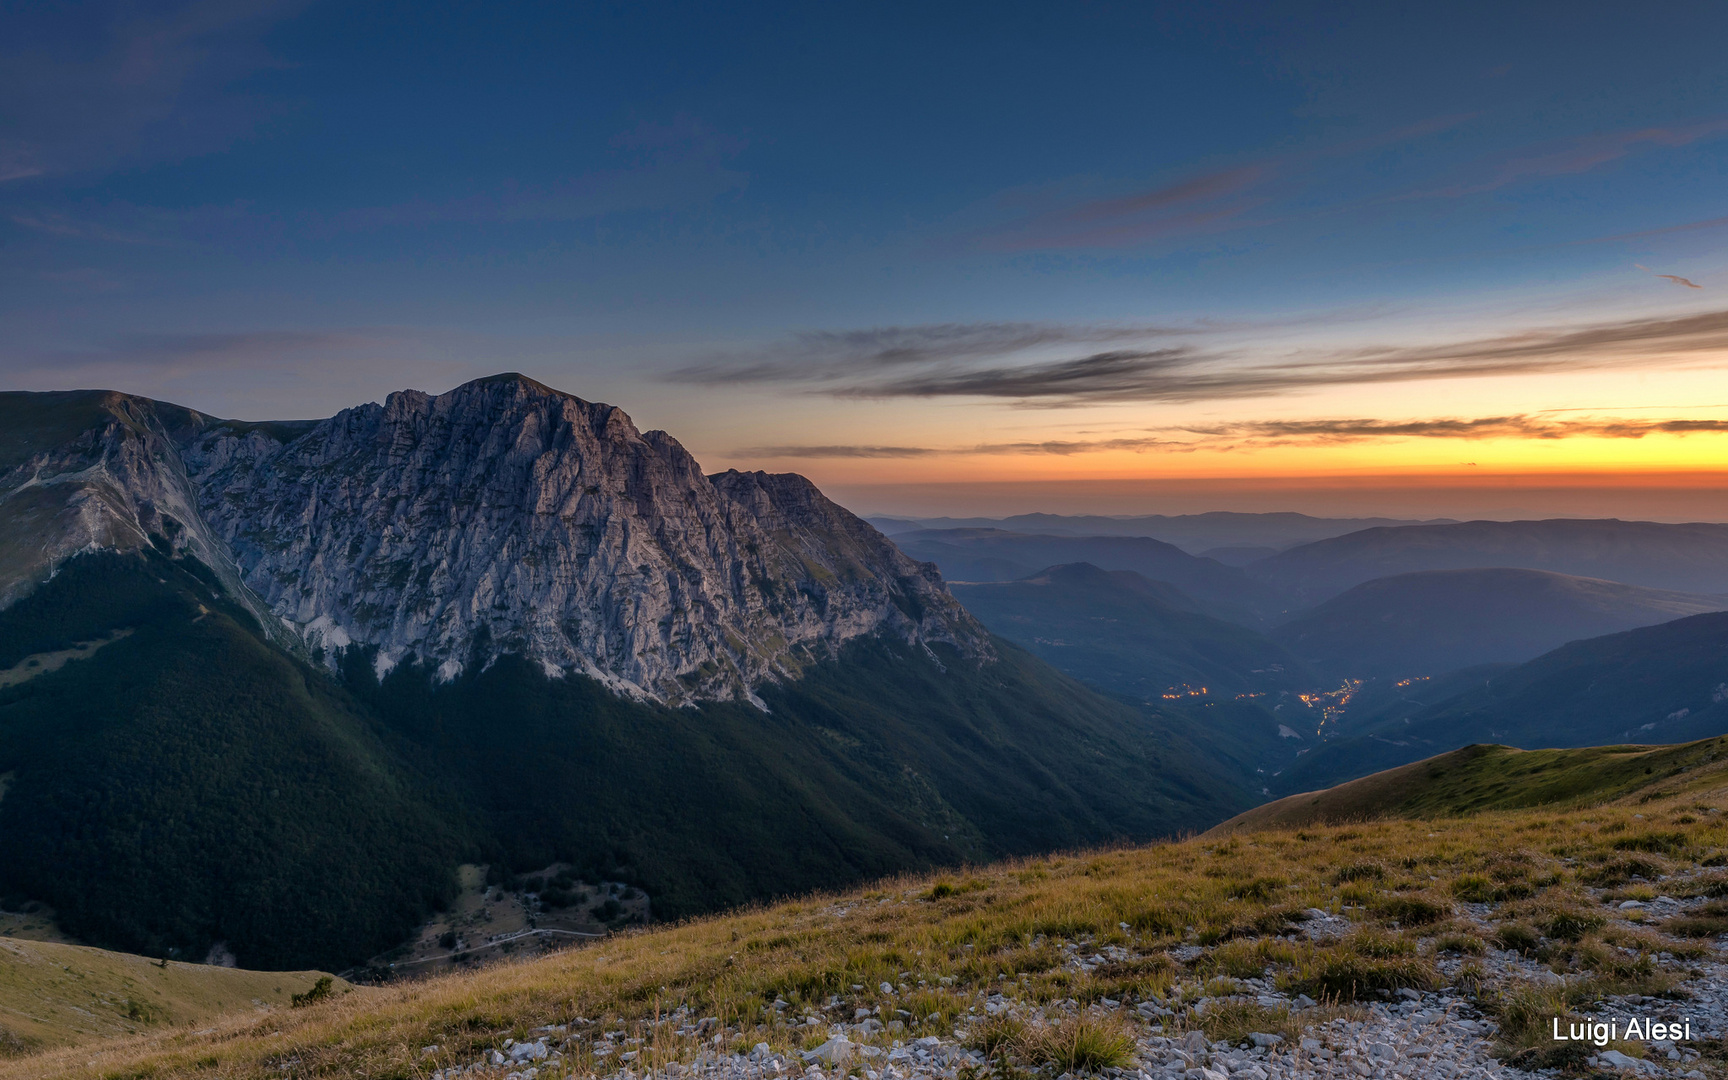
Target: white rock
[835,1051]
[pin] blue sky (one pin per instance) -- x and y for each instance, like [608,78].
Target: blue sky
[808,236]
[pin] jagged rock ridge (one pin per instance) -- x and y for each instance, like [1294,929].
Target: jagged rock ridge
[506,517]
[87,470]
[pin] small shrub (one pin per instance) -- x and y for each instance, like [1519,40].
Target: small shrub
[321,989]
[13,1044]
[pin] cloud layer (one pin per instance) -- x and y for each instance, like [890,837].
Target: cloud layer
[1280,433]
[977,361]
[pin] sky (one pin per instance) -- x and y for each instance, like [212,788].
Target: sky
[948,259]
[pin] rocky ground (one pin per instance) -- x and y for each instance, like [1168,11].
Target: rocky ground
[1408,1034]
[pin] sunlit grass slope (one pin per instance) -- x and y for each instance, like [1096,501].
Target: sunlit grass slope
[53,994]
[953,939]
[1477,778]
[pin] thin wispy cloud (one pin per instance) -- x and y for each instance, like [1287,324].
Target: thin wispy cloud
[959,361]
[1250,434]
[1672,278]
[1202,202]
[1492,427]
[835,451]
[1581,155]
[836,356]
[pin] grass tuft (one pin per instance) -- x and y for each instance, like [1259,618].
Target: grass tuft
[1079,1044]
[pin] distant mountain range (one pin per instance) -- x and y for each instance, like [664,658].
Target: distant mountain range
[1197,534]
[997,555]
[267,684]
[1374,669]
[1435,621]
[1657,684]
[1123,633]
[1681,558]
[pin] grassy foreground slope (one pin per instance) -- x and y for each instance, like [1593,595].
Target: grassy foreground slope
[1545,872]
[54,994]
[1477,778]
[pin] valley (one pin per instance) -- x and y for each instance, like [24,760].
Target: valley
[493,918]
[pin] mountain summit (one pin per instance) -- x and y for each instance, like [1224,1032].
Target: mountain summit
[502,517]
[266,685]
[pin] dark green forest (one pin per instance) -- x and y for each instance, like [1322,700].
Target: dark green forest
[190,783]
[889,759]
[193,783]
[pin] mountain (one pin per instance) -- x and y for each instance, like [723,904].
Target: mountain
[510,518]
[997,555]
[1433,621]
[185,782]
[265,685]
[87,470]
[1142,639]
[1665,683]
[1659,684]
[1479,778]
[1681,558]
[55,994]
[1193,533]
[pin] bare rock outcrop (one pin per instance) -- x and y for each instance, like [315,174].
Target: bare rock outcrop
[507,517]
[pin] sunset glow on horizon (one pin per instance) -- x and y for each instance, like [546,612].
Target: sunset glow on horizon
[1017,247]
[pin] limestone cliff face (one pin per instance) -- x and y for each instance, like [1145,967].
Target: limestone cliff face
[504,516]
[85,470]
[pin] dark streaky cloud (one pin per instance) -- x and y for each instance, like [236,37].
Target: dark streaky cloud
[1281,432]
[934,362]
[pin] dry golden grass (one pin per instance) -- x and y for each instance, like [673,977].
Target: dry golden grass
[949,940]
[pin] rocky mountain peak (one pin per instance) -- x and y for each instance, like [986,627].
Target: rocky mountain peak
[504,516]
[83,470]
